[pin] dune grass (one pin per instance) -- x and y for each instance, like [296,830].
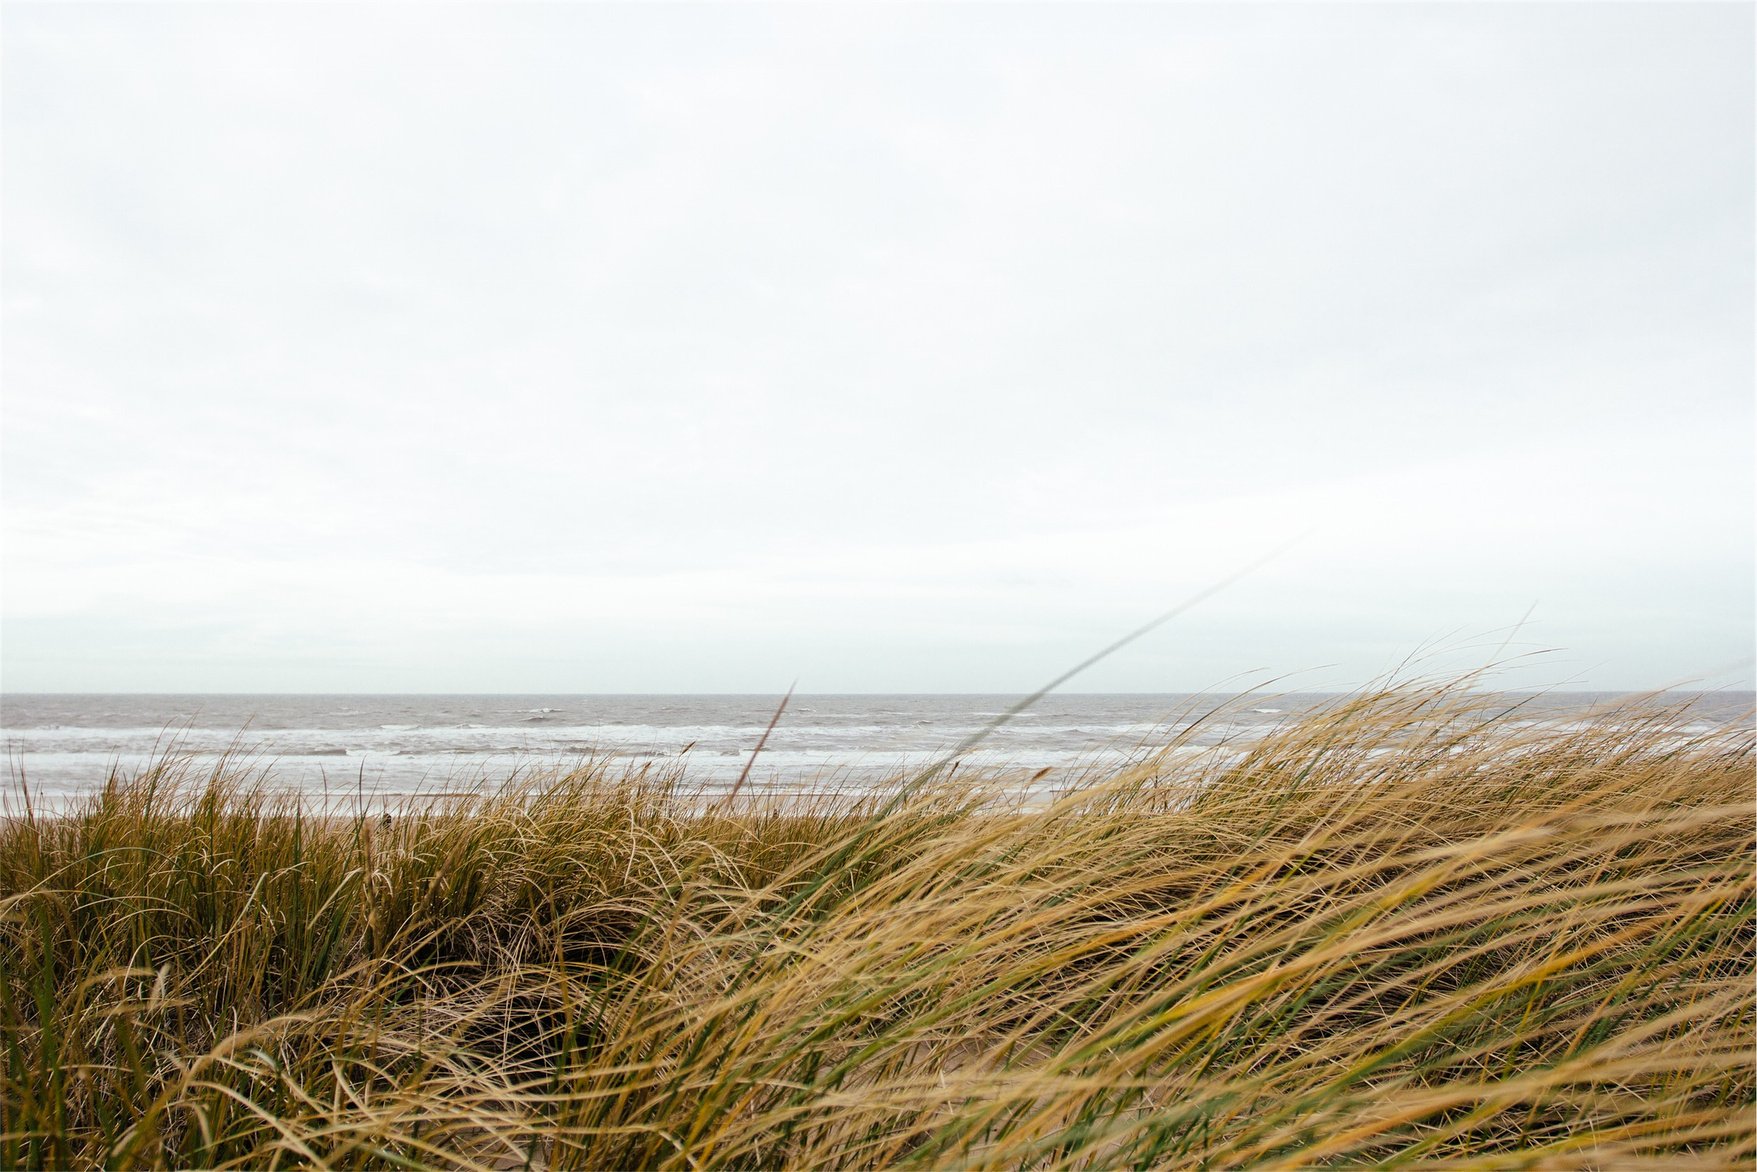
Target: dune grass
[1408,930]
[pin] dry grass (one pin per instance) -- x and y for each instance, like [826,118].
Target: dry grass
[1404,932]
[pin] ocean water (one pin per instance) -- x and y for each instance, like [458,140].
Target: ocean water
[387,748]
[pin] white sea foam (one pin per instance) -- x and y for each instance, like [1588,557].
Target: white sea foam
[68,744]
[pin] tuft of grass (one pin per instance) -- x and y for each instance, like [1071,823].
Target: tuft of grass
[1409,930]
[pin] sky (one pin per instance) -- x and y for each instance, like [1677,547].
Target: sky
[909,348]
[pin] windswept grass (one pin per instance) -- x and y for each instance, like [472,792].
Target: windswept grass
[1405,931]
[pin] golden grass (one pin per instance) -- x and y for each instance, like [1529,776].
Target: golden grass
[1405,932]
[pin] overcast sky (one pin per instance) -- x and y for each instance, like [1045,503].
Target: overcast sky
[894,348]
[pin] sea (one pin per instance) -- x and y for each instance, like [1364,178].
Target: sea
[389,749]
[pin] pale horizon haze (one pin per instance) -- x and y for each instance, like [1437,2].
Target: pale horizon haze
[881,348]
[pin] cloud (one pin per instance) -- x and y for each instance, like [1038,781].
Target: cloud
[767,336]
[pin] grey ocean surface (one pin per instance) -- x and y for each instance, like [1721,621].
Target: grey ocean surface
[61,747]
